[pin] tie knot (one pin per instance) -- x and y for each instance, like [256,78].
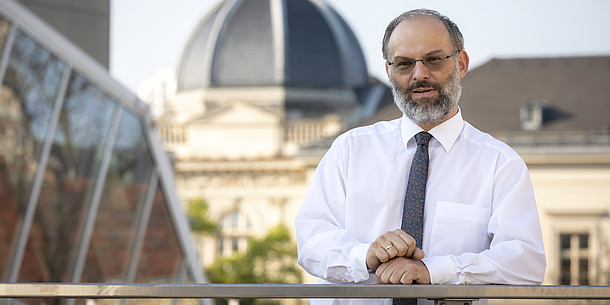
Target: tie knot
[422,138]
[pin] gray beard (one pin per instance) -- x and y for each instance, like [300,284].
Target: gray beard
[428,110]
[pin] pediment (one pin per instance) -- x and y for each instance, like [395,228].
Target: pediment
[238,113]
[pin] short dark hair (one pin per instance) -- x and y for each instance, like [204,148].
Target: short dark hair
[454,32]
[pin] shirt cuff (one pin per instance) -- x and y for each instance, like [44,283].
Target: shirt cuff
[357,259]
[441,269]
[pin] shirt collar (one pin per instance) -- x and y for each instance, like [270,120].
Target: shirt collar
[446,133]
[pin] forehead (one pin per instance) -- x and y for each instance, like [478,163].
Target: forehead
[419,36]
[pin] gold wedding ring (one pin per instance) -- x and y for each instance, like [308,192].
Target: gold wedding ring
[388,247]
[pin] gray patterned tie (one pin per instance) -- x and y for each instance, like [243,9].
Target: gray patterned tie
[413,212]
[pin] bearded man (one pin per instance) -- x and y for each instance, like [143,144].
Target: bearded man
[424,199]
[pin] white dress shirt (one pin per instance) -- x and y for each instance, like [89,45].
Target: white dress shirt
[481,223]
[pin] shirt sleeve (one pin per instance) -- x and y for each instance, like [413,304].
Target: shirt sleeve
[516,252]
[325,248]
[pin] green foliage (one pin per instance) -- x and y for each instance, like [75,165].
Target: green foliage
[197,213]
[271,259]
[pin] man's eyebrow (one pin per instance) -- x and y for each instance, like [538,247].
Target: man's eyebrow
[434,52]
[403,58]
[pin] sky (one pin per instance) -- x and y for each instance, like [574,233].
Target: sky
[150,35]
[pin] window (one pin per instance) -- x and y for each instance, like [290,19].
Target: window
[532,114]
[574,259]
[175,134]
[235,230]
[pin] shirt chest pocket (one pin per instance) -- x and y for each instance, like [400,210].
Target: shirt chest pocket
[458,228]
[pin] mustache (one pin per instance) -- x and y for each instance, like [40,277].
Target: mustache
[424,84]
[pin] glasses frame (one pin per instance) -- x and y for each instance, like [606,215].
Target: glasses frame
[423,61]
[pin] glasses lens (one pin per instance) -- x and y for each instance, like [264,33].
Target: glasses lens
[403,66]
[434,63]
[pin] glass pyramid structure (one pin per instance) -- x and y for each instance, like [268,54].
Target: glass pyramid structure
[86,190]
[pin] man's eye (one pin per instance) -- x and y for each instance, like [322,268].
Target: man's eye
[433,60]
[404,64]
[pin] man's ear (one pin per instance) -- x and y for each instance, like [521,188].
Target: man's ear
[464,62]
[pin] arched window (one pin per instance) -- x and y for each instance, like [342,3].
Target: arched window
[235,230]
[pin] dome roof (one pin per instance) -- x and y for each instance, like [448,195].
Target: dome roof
[294,43]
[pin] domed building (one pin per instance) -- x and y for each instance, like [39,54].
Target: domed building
[294,66]
[265,43]
[259,80]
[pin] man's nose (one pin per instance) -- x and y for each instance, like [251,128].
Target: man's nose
[420,72]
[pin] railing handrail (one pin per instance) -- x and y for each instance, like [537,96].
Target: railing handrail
[291,291]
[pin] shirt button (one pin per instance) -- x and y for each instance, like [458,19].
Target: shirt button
[364,274]
[344,280]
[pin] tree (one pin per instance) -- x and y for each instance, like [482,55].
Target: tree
[267,260]
[197,213]
[271,259]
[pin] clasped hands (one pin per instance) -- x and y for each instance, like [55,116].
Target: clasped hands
[396,260]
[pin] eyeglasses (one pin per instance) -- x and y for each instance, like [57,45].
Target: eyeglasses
[432,63]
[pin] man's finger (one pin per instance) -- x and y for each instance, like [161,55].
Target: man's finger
[418,254]
[409,243]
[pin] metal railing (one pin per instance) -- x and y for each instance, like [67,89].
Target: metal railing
[441,294]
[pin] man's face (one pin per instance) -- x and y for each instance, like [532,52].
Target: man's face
[424,94]
[432,108]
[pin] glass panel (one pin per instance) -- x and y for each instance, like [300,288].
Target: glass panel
[583,241]
[4,28]
[565,276]
[564,241]
[73,165]
[27,96]
[583,260]
[235,220]
[235,244]
[221,246]
[583,271]
[161,252]
[121,204]
[565,262]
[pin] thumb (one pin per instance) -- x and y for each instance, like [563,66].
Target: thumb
[418,254]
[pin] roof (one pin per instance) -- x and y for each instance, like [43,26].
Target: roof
[574,92]
[303,43]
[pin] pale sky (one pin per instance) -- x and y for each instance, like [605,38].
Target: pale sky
[150,35]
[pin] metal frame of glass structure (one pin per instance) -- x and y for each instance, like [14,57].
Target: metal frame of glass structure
[84,179]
